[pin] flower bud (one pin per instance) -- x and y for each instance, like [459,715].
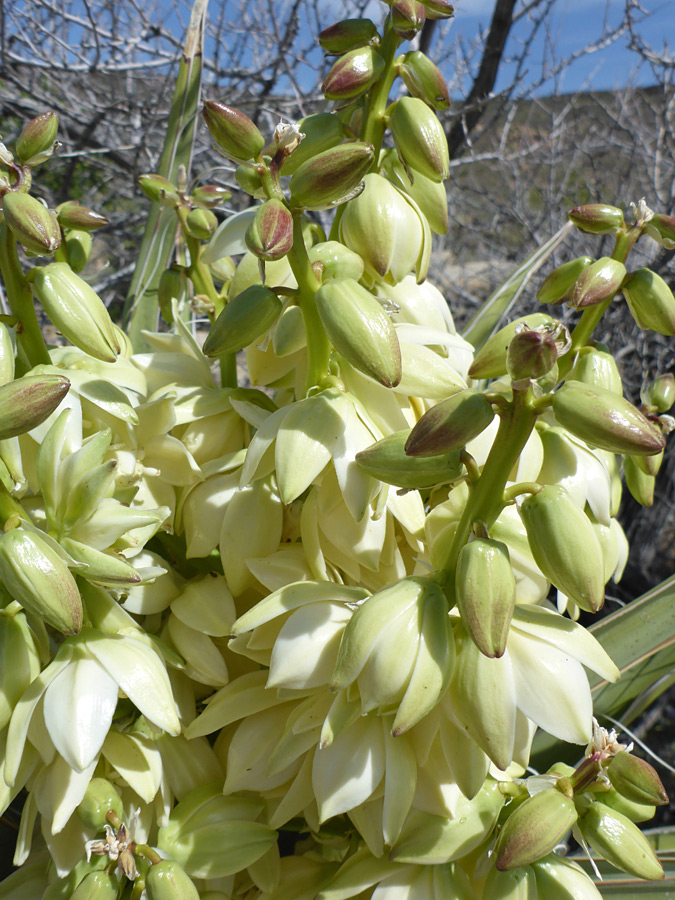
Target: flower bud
[485,588]
[556,286]
[172,287]
[490,361]
[245,318]
[76,310]
[650,301]
[429,195]
[561,879]
[597,369]
[597,218]
[606,420]
[236,135]
[396,247]
[99,797]
[37,140]
[28,401]
[636,779]
[19,661]
[439,9]
[209,196]
[99,885]
[166,880]
[620,842]
[450,425]
[71,215]
[532,353]
[419,138]
[331,177]
[347,35]
[352,74]
[201,223]
[636,812]
[565,546]
[249,181]
[639,483]
[662,229]
[322,131]
[159,190]
[270,235]
[598,282]
[337,261]
[34,226]
[360,330]
[6,355]
[518,884]
[659,396]
[36,575]
[534,828]
[407,18]
[424,80]
[78,249]
[387,461]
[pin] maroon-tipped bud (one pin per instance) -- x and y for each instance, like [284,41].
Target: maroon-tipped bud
[424,80]
[598,282]
[71,215]
[597,218]
[34,226]
[532,353]
[534,828]
[420,140]
[450,425]
[352,74]
[659,396]
[557,285]
[236,135]
[662,229]
[26,402]
[636,779]
[439,9]
[209,196]
[651,301]
[348,35]
[37,140]
[270,234]
[201,223]
[159,190]
[331,177]
[407,18]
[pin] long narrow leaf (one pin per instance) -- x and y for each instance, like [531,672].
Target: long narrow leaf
[497,306]
[160,231]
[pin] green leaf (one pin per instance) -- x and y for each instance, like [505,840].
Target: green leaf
[160,231]
[489,317]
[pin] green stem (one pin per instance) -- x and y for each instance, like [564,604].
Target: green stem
[20,299]
[374,119]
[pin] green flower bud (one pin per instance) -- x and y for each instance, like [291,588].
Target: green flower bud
[360,330]
[636,812]
[71,215]
[34,226]
[36,575]
[209,196]
[620,842]
[99,797]
[605,420]
[597,369]
[439,9]
[662,229]
[636,779]
[28,401]
[201,223]
[159,190]
[561,879]
[352,74]
[407,18]
[337,261]
[76,310]
[531,353]
[516,885]
[172,286]
[650,465]
[245,318]
[347,35]
[78,249]
[597,218]
[598,282]
[558,283]
[6,355]
[565,546]
[534,828]
[419,138]
[490,361]
[331,177]
[640,484]
[450,425]
[397,246]
[166,880]
[322,131]
[388,461]
[36,143]
[650,301]
[423,79]
[19,662]
[659,396]
[429,195]
[236,135]
[270,234]
[97,886]
[485,588]
[249,181]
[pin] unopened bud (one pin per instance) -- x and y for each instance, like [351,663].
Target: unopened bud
[636,812]
[347,35]
[245,318]
[249,181]
[662,229]
[439,9]
[606,420]
[337,261]
[598,282]
[360,330]
[331,177]
[636,779]
[639,483]
[490,361]
[424,80]
[387,461]
[71,215]
[209,196]
[34,226]
[159,190]
[558,283]
[597,218]
[485,587]
[532,353]
[28,401]
[321,132]
[650,301]
[352,74]
[99,798]
[407,18]
[37,140]
[419,138]
[166,880]
[597,369]
[534,828]
[172,287]
[236,135]
[99,885]
[78,245]
[201,223]
[659,396]
[429,195]
[620,842]
[450,425]
[270,235]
